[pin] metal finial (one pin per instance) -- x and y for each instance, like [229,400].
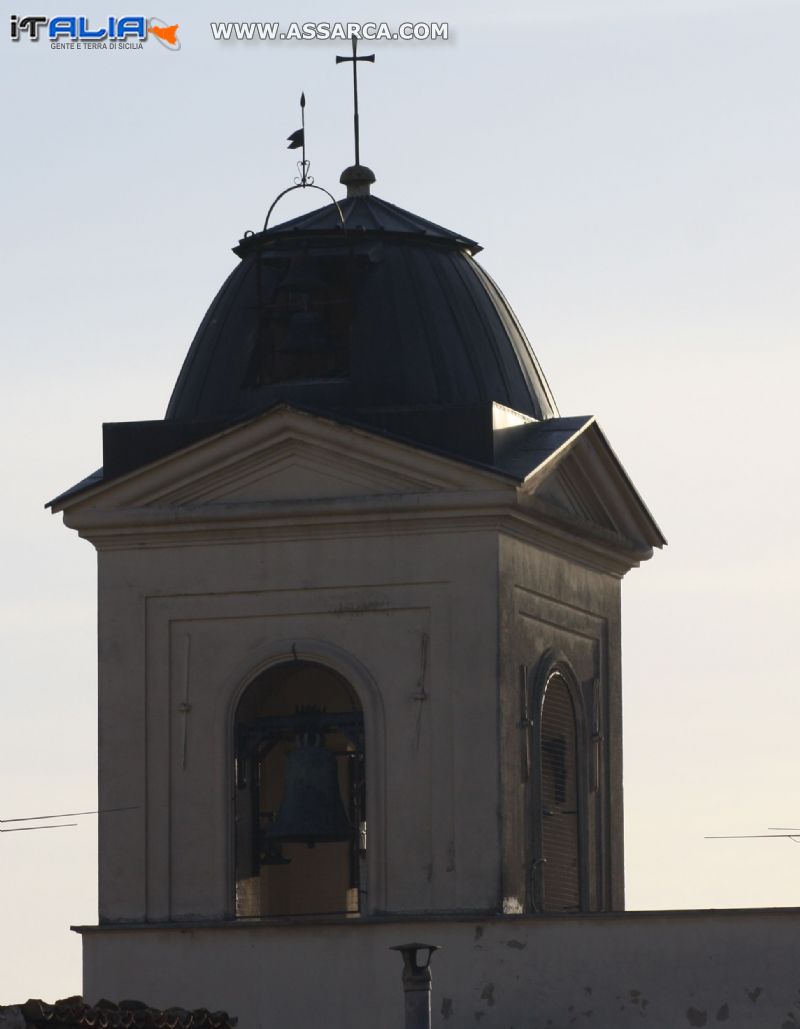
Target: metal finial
[305,164]
[297,140]
[357,178]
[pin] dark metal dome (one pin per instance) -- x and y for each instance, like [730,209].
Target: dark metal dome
[374,310]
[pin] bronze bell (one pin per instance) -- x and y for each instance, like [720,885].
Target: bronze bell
[311,808]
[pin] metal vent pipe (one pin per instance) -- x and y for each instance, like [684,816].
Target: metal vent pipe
[417,983]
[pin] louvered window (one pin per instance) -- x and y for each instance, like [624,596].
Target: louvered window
[560,823]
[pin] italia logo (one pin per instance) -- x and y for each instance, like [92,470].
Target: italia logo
[77,29]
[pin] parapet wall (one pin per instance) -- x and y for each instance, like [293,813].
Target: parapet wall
[666,969]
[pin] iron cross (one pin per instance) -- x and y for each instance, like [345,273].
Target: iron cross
[355,59]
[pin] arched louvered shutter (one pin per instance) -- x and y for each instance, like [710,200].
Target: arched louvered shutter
[561,877]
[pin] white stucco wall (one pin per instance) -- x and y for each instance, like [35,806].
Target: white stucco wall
[667,970]
[200,623]
[552,606]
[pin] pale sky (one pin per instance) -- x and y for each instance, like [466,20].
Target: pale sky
[630,167]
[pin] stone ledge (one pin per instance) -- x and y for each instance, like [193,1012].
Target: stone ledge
[189,925]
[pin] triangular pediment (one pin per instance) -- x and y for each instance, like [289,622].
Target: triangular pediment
[582,482]
[286,455]
[572,492]
[292,468]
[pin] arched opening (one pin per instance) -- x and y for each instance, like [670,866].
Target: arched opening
[300,794]
[558,884]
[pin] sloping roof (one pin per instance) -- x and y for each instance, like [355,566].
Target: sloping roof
[145,443]
[536,442]
[361,214]
[578,448]
[128,1014]
[94,479]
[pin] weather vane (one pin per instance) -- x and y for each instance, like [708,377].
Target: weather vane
[298,139]
[355,59]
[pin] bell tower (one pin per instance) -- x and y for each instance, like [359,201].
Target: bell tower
[359,631]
